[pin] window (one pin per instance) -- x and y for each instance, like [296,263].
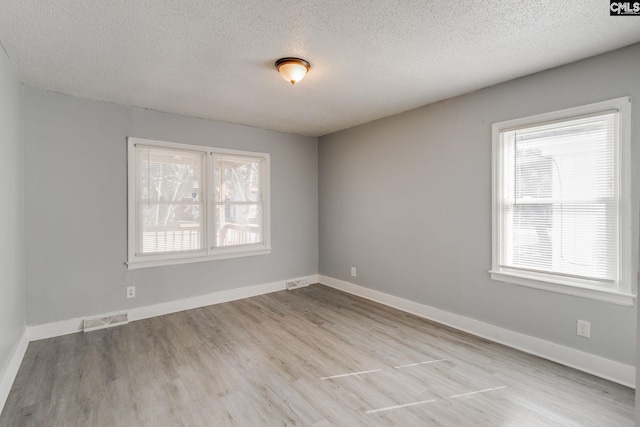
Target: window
[190,203]
[561,211]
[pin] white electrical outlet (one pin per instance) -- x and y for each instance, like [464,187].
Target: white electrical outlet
[584,329]
[353,272]
[131,291]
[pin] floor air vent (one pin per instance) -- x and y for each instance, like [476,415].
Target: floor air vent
[295,284]
[93,324]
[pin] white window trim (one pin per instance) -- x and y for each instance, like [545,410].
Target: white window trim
[208,253]
[624,294]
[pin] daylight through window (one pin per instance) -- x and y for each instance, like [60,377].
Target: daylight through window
[559,200]
[191,203]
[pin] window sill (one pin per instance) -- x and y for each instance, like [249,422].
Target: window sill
[142,263]
[597,294]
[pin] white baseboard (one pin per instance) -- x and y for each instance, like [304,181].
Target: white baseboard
[54,329]
[586,362]
[10,370]
[213,298]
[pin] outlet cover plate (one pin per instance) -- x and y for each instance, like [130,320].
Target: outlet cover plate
[584,329]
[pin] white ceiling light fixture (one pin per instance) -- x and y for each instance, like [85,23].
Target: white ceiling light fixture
[292,69]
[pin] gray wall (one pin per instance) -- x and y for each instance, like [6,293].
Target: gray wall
[407,200]
[75,208]
[12,291]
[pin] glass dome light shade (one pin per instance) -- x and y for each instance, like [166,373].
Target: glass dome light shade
[292,69]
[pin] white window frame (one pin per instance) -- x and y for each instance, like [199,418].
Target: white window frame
[209,253]
[623,291]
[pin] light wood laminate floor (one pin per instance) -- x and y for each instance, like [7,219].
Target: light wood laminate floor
[309,357]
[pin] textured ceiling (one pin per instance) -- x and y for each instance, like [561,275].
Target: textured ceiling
[369,58]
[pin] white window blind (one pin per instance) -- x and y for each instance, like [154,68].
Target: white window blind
[191,203]
[559,204]
[237,197]
[559,211]
[170,209]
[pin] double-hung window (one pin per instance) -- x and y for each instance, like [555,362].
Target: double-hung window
[561,208]
[192,203]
